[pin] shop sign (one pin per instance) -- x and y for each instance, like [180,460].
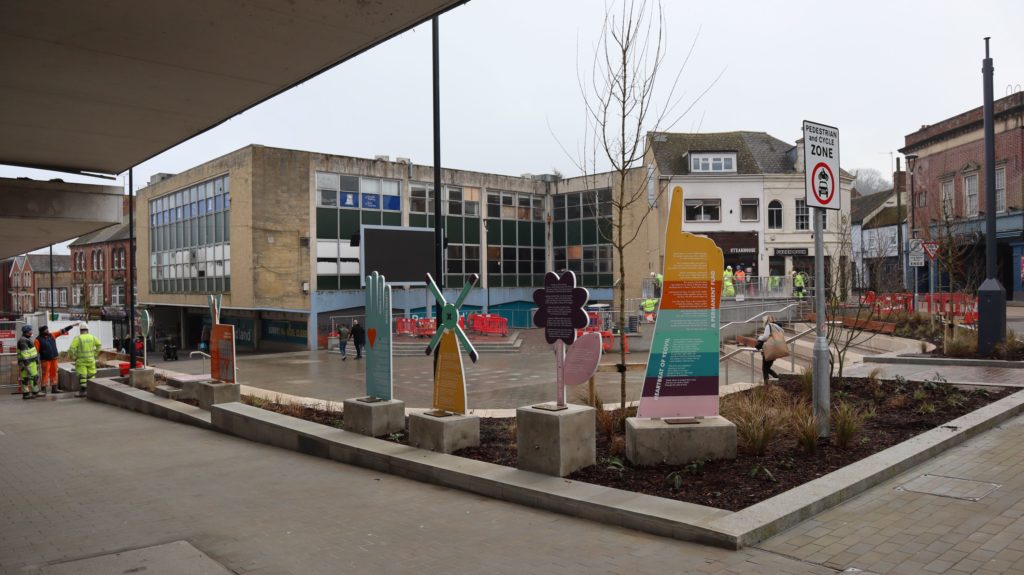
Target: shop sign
[791,251]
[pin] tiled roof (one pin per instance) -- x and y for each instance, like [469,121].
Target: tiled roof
[756,152]
[41,263]
[107,234]
[862,206]
[887,217]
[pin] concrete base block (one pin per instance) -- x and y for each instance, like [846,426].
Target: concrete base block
[374,419]
[143,378]
[167,391]
[67,379]
[652,441]
[556,442]
[211,393]
[444,434]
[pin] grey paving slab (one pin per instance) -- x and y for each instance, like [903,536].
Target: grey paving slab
[82,480]
[891,529]
[177,558]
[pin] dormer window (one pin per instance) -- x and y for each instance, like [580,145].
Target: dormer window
[713,162]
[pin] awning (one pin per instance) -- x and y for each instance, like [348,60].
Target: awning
[103,86]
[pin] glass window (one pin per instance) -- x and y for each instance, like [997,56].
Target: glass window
[706,210]
[524,212]
[328,198]
[1000,190]
[390,187]
[749,210]
[572,206]
[971,194]
[947,199]
[775,215]
[720,162]
[803,220]
[493,205]
[559,212]
[455,201]
[349,183]
[421,199]
[508,206]
[324,181]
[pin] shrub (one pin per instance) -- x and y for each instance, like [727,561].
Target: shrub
[804,426]
[617,446]
[757,420]
[926,408]
[848,421]
[874,376]
[920,394]
[807,382]
[898,401]
[607,423]
[962,345]
[1010,349]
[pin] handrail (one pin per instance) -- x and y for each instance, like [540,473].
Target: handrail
[766,312]
[206,355]
[734,352]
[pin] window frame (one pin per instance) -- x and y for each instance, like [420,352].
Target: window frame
[756,202]
[703,204]
[969,210]
[802,212]
[713,163]
[948,201]
[781,214]
[1000,191]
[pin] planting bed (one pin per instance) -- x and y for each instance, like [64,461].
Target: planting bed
[751,478]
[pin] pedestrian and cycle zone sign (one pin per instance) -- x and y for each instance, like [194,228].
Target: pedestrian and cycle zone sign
[821,166]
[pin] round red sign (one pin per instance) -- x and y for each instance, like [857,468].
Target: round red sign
[823,183]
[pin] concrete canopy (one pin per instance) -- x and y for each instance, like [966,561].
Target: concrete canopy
[103,86]
[37,214]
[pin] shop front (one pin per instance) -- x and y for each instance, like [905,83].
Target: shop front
[738,248]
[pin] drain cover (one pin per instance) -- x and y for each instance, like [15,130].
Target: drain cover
[171,558]
[952,487]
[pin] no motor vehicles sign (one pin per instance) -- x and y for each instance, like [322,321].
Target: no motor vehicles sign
[821,166]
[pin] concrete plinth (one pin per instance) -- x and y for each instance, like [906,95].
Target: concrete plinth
[143,378]
[209,393]
[444,434]
[374,419]
[67,379]
[652,441]
[556,442]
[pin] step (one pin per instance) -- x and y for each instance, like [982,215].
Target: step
[167,391]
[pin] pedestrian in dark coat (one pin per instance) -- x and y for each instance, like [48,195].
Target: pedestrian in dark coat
[358,338]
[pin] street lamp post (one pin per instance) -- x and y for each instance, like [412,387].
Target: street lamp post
[991,295]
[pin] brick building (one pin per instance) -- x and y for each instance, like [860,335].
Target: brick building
[100,280]
[30,287]
[948,195]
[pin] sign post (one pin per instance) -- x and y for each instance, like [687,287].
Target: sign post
[821,185]
[560,312]
[681,381]
[449,377]
[916,261]
[145,325]
[932,249]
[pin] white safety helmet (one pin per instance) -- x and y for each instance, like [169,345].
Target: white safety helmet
[728,268]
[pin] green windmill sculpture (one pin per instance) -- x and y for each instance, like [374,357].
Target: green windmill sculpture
[450,316]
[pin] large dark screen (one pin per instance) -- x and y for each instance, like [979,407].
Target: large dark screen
[401,255]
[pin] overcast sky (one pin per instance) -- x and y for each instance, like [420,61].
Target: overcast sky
[876,70]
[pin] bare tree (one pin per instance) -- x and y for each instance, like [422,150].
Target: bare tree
[870,181]
[850,322]
[619,101]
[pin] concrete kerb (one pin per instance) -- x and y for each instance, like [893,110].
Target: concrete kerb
[762,520]
[665,517]
[898,359]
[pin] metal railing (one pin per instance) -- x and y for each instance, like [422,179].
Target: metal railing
[790,341]
[9,372]
[206,359]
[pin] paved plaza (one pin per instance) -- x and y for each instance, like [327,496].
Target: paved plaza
[497,380]
[82,479]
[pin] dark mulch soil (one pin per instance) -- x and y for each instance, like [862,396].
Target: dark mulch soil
[899,414]
[316,415]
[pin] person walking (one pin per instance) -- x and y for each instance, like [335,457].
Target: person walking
[343,334]
[46,345]
[85,348]
[358,338]
[28,361]
[770,327]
